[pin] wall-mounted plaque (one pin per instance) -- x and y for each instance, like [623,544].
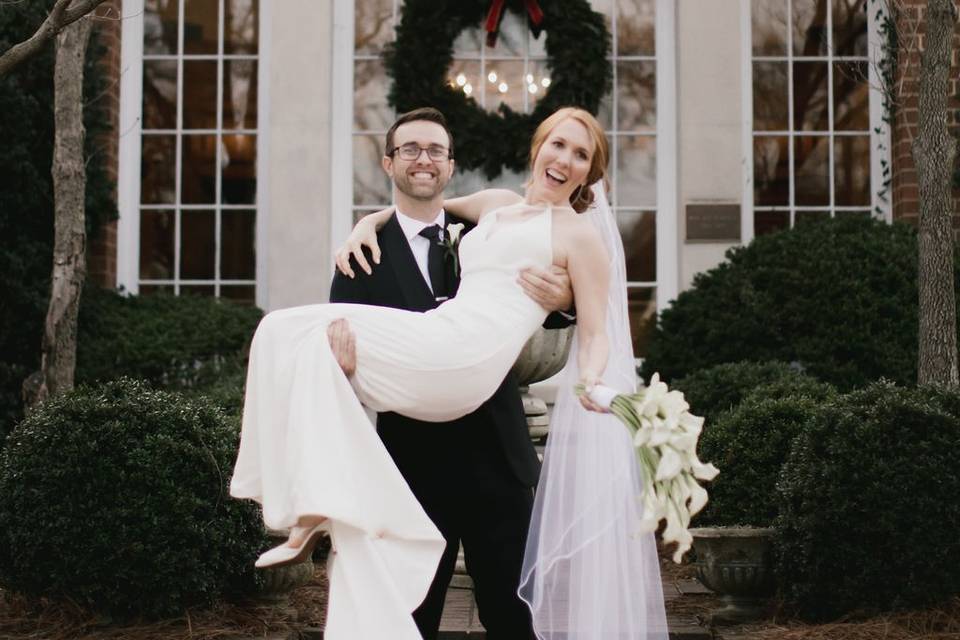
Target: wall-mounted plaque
[713,223]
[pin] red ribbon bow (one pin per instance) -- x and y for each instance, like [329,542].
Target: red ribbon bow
[495,15]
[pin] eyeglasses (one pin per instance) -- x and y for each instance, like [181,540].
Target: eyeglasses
[412,150]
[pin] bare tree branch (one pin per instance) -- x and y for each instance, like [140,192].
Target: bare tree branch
[64,12]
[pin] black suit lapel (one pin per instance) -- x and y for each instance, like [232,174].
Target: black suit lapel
[412,285]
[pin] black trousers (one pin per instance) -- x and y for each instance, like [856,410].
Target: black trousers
[460,475]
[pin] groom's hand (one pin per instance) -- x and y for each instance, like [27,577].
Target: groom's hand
[548,288]
[343,345]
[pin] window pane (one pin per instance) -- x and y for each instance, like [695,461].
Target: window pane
[370,85]
[637,96]
[241,24]
[199,94]
[765,222]
[197,175]
[237,248]
[370,184]
[636,33]
[810,96]
[809,27]
[850,27]
[197,245]
[539,80]
[241,294]
[465,74]
[770,96]
[200,26]
[642,305]
[771,170]
[638,229]
[851,96]
[160,26]
[637,171]
[240,94]
[372,25]
[239,169]
[504,84]
[812,181]
[851,155]
[151,289]
[156,244]
[511,39]
[808,217]
[160,94]
[769,22]
[205,290]
[158,161]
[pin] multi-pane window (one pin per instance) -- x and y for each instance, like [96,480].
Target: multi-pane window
[515,72]
[198,178]
[811,116]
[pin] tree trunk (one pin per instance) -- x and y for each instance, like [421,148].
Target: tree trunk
[933,152]
[69,186]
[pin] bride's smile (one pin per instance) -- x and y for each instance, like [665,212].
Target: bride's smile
[561,163]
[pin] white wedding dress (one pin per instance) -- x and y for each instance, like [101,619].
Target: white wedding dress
[307,447]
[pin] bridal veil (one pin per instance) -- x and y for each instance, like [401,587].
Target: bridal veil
[588,571]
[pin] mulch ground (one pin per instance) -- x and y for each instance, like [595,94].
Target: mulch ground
[23,619]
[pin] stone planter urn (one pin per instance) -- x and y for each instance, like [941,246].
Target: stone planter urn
[278,582]
[736,563]
[544,355]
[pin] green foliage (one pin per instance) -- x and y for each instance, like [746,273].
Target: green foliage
[869,515]
[117,498]
[713,390]
[839,297]
[749,444]
[26,200]
[174,342]
[577,43]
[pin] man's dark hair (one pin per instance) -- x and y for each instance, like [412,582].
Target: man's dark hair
[423,113]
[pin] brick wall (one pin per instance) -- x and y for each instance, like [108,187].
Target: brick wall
[904,184]
[102,251]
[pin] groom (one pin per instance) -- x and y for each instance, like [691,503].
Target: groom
[474,476]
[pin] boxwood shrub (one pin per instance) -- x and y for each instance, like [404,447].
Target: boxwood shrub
[116,497]
[839,297]
[869,512]
[716,389]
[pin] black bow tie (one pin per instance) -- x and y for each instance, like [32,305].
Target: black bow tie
[435,268]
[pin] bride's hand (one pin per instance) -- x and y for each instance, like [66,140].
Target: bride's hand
[589,381]
[364,234]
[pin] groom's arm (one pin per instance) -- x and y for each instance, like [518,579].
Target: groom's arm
[551,290]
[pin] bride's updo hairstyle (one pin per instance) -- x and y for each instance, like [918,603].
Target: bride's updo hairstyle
[581,198]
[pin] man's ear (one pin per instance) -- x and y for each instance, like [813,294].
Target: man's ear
[387,163]
[453,166]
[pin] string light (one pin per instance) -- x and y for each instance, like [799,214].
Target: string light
[468,88]
[529,78]
[492,76]
[461,79]
[545,83]
[503,87]
[532,87]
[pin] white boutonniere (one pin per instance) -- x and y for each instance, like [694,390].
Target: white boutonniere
[451,242]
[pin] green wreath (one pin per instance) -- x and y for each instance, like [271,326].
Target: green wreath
[577,46]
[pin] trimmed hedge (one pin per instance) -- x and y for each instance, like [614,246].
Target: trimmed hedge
[174,342]
[839,297]
[869,513]
[117,498]
[716,389]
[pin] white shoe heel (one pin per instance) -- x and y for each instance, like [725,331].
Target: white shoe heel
[285,554]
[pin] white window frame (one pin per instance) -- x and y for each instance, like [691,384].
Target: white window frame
[130,148]
[880,207]
[667,246]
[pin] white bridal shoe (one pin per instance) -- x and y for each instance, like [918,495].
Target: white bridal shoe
[285,554]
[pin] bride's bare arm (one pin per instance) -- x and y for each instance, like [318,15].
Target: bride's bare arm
[587,264]
[473,206]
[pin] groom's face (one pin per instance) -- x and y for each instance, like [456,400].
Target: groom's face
[423,178]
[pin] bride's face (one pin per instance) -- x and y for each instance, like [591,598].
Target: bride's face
[563,162]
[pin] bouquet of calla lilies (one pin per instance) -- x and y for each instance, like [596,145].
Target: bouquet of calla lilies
[665,436]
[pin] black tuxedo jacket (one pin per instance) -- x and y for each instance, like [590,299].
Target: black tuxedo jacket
[397,282]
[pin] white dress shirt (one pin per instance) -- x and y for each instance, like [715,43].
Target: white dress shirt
[419,245]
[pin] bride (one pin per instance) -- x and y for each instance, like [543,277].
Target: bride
[309,455]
